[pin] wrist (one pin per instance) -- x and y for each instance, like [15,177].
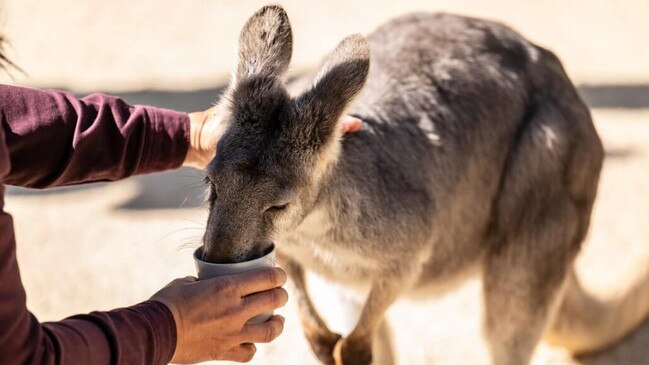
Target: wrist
[205,129]
[194,157]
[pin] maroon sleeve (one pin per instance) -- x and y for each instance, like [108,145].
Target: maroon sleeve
[143,334]
[54,138]
[51,138]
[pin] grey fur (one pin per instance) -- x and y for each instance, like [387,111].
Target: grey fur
[475,152]
[265,44]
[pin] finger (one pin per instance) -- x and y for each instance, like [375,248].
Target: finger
[258,280]
[264,332]
[266,301]
[242,353]
[350,124]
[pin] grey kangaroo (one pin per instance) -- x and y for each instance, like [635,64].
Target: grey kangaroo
[476,156]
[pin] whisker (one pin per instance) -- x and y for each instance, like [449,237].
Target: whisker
[193,185]
[193,244]
[199,223]
[179,230]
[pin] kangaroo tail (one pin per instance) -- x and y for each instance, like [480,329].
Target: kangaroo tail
[585,323]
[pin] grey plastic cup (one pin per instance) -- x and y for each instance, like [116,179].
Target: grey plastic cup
[207,270]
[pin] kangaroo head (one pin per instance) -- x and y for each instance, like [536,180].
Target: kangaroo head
[276,147]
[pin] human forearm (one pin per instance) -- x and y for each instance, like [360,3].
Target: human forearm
[204,131]
[142,334]
[55,139]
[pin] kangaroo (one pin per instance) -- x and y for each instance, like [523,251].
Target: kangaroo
[476,155]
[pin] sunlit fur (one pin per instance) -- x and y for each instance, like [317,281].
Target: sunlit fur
[476,155]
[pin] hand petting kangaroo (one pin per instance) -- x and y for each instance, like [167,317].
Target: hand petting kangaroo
[476,155]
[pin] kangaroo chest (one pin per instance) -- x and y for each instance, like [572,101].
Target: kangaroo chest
[312,245]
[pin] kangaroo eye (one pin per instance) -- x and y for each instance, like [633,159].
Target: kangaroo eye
[212,196]
[277,208]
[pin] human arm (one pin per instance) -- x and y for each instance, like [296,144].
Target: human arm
[54,138]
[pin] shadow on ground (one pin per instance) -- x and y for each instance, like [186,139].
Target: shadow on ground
[183,188]
[188,101]
[616,96]
[631,351]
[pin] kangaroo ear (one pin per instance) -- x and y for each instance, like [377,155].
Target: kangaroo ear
[265,44]
[340,79]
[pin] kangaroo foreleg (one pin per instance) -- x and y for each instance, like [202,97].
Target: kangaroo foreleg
[321,339]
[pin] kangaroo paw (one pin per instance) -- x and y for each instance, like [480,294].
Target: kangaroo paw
[322,343]
[351,352]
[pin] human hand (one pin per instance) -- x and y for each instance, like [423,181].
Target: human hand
[211,314]
[205,129]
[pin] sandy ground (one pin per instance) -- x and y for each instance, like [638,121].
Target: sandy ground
[109,245]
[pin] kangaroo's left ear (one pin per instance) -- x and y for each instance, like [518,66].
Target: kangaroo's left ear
[340,79]
[265,44]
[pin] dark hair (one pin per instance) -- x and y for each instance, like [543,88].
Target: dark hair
[5,63]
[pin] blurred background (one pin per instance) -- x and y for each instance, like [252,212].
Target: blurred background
[139,233]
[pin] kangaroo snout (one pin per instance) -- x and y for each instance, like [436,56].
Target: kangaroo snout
[228,240]
[225,248]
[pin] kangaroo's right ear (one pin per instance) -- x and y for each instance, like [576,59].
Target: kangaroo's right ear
[265,44]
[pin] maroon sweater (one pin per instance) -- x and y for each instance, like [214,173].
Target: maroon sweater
[51,138]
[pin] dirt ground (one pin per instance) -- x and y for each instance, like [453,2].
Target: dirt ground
[102,246]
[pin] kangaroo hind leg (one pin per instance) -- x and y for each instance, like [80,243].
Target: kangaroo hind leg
[540,218]
[523,278]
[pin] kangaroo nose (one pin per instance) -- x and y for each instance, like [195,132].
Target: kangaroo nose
[219,249]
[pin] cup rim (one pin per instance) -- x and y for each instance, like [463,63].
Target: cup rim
[270,254]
